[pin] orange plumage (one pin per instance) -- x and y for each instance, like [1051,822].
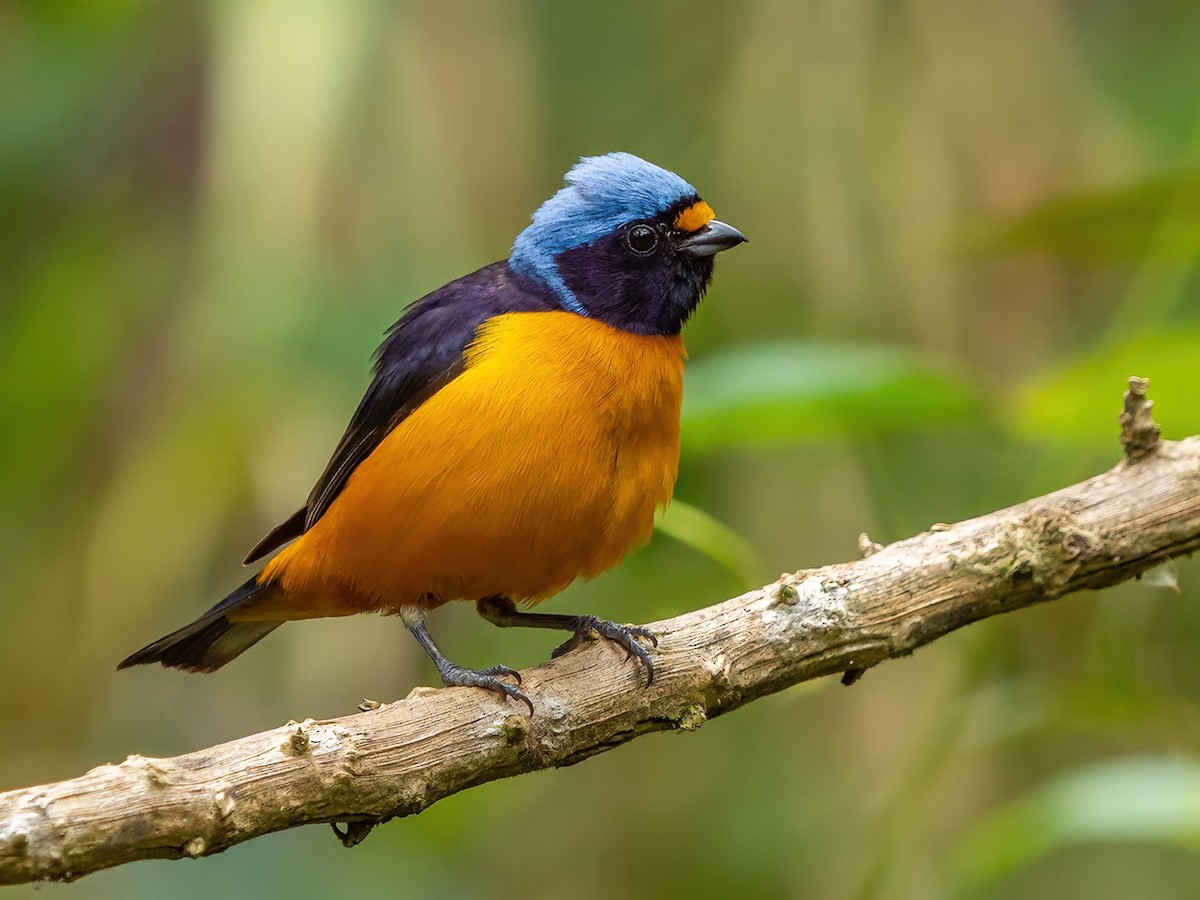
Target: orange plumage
[542,462]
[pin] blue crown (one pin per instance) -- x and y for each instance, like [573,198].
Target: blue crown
[602,194]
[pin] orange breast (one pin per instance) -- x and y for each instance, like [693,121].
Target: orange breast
[543,462]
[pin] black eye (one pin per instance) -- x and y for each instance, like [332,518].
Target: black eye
[642,239]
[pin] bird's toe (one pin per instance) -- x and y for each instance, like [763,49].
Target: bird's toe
[488,679]
[625,636]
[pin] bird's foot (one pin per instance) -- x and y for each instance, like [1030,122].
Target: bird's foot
[488,679]
[623,635]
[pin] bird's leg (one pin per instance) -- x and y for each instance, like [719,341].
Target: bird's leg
[489,679]
[503,612]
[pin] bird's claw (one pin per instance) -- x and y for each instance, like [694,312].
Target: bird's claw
[488,679]
[496,671]
[624,636]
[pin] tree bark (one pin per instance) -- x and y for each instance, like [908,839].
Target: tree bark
[398,759]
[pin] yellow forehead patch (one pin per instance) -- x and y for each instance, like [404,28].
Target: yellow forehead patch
[695,217]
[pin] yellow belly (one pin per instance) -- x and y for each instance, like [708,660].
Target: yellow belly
[542,463]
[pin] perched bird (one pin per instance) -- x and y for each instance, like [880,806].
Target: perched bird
[521,429]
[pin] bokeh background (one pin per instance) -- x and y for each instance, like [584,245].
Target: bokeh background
[970,223]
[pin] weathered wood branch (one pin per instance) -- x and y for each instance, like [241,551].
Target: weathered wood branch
[400,758]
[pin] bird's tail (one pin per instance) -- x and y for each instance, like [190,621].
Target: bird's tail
[212,640]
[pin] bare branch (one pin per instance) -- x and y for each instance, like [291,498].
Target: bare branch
[398,759]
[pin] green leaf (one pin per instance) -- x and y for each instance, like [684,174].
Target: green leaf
[715,540]
[1141,799]
[1081,401]
[777,393]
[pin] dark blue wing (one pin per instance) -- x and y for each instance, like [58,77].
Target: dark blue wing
[422,353]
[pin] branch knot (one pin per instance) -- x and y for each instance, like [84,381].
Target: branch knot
[1139,434]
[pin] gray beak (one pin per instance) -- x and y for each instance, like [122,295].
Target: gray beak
[712,239]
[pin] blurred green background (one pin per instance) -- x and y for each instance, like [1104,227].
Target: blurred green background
[970,223]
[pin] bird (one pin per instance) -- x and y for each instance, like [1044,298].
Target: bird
[520,431]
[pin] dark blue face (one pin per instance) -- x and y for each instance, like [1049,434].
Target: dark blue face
[640,278]
[625,242]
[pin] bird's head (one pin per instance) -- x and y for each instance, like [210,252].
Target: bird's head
[626,243]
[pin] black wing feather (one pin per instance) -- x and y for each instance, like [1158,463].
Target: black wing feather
[422,353]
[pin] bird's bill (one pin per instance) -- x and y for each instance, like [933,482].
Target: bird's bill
[713,238]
